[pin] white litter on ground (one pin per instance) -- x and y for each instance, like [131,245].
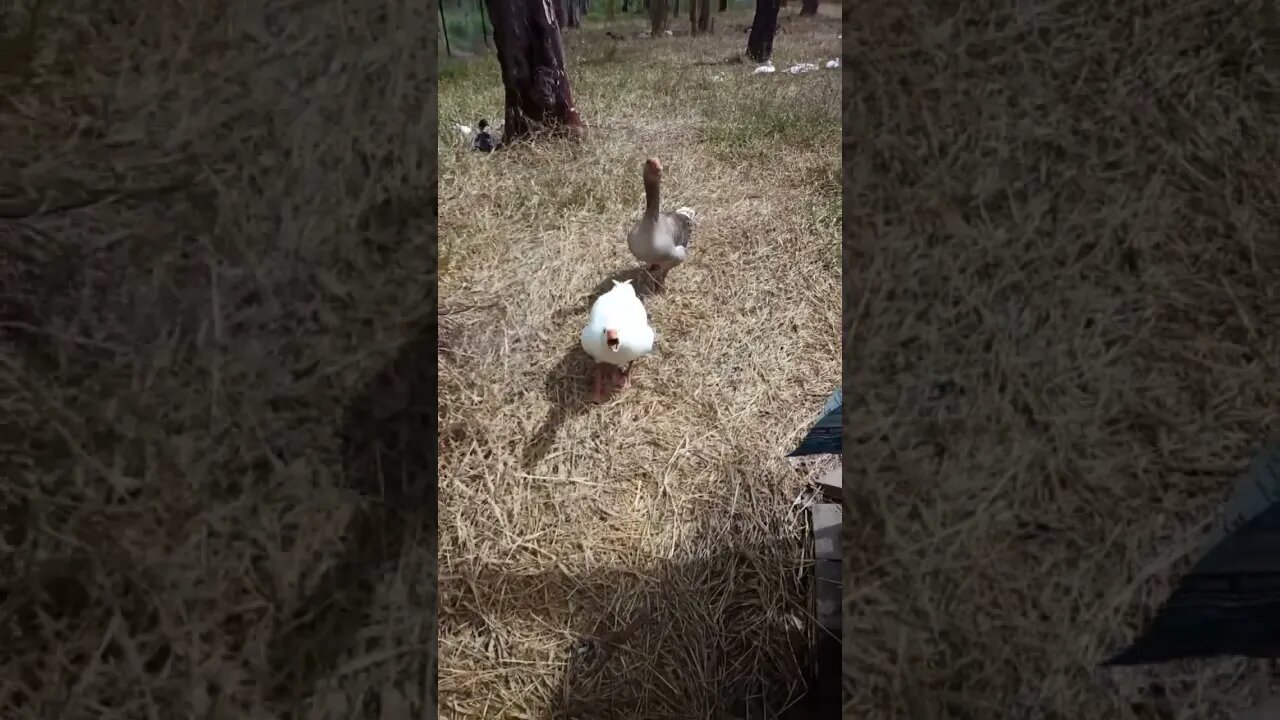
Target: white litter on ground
[462,130]
[765,68]
[802,68]
[833,64]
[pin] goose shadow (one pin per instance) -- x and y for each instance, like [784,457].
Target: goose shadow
[631,632]
[567,384]
[566,388]
[389,442]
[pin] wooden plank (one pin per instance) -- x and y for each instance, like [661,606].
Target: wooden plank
[828,568]
[827,631]
[832,485]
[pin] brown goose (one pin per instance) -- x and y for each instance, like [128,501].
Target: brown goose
[660,239]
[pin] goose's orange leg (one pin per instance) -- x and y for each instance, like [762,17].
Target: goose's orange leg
[597,383]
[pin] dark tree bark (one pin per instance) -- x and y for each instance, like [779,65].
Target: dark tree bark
[808,7]
[699,16]
[444,27]
[763,26]
[531,55]
[484,26]
[573,13]
[561,12]
[724,5]
[657,17]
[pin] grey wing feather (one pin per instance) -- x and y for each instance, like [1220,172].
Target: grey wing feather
[680,228]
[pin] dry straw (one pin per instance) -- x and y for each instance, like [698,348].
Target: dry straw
[640,559]
[212,240]
[1062,240]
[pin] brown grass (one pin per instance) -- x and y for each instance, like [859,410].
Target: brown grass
[640,559]
[215,250]
[1061,224]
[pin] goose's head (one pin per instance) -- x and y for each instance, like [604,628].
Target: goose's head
[483,125]
[652,170]
[611,339]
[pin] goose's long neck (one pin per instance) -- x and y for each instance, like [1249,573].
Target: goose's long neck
[651,198]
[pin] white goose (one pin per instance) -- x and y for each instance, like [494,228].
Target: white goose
[617,334]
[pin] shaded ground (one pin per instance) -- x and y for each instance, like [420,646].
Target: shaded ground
[1060,226]
[659,524]
[217,258]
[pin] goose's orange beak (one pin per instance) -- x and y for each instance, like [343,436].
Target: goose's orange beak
[611,339]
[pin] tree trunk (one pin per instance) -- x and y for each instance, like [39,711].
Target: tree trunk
[675,7]
[484,26]
[657,17]
[809,7]
[444,27]
[561,13]
[763,25]
[531,55]
[724,5]
[573,12]
[699,16]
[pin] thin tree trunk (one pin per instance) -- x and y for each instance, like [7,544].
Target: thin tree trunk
[531,55]
[573,12]
[609,6]
[724,5]
[809,7]
[484,27]
[675,8]
[561,13]
[657,17]
[763,27]
[705,22]
[444,28]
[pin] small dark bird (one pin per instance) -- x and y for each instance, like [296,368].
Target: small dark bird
[483,141]
[614,35]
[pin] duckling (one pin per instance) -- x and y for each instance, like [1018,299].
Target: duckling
[483,140]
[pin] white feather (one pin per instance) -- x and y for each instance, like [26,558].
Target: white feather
[621,310]
[689,213]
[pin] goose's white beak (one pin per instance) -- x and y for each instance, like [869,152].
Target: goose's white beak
[611,339]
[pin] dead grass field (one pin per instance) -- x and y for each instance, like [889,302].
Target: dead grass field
[639,559]
[1061,224]
[215,254]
